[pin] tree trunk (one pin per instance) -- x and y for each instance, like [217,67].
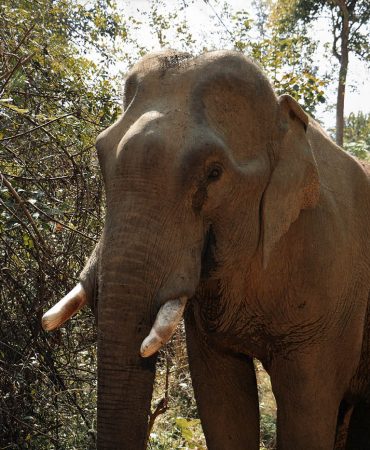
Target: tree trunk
[343,60]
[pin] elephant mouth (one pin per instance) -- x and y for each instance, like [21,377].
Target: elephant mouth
[209,263]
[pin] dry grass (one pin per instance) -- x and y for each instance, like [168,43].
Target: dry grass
[267,408]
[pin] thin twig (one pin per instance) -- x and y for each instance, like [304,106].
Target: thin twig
[207,2]
[57,141]
[20,177]
[35,128]
[20,62]
[21,203]
[31,427]
[61,223]
[12,72]
[24,225]
[26,34]
[162,406]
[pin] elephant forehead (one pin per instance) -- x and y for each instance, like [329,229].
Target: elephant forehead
[157,143]
[152,124]
[145,126]
[158,128]
[164,148]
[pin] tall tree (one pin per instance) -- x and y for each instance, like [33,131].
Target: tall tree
[350,30]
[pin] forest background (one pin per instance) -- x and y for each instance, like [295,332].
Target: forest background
[62,66]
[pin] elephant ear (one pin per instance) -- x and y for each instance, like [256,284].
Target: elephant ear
[294,183]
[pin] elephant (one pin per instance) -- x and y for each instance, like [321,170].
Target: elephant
[229,206]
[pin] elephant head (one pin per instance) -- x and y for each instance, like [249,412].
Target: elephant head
[204,172]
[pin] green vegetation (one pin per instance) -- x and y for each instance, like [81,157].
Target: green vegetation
[357,135]
[59,87]
[350,34]
[54,101]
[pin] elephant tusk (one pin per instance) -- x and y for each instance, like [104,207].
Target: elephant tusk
[165,324]
[65,308]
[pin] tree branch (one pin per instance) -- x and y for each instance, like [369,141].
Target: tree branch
[25,36]
[35,128]
[21,203]
[24,225]
[20,177]
[12,72]
[335,25]
[61,223]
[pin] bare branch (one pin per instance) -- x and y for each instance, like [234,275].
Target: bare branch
[207,2]
[41,178]
[21,203]
[61,223]
[12,72]
[35,128]
[24,225]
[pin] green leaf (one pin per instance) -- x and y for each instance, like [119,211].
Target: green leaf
[185,426]
[15,108]
[28,241]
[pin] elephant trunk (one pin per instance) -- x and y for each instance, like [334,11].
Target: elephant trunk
[125,379]
[147,273]
[131,269]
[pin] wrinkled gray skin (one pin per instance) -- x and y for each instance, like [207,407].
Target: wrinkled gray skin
[219,191]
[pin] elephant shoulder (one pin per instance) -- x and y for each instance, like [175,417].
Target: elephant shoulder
[366,167]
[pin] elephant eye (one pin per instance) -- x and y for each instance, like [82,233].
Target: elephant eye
[214,173]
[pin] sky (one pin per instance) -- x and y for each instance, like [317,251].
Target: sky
[202,22]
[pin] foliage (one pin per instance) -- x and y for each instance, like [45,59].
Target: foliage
[289,64]
[357,135]
[291,13]
[53,102]
[350,29]
[288,61]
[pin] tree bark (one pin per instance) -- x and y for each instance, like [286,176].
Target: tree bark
[343,61]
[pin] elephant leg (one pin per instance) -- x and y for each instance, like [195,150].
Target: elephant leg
[359,428]
[307,405]
[226,393]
